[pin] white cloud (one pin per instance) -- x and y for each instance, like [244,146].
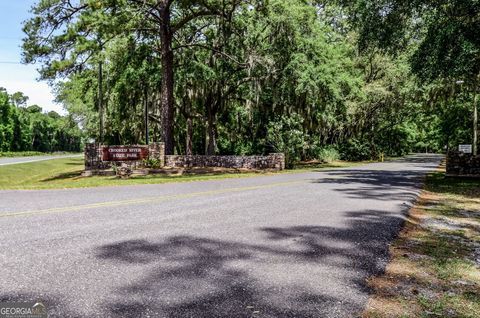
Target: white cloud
[13,75]
[22,78]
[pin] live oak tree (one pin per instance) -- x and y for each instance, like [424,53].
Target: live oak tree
[318,80]
[444,36]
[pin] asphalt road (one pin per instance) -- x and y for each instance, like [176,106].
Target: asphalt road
[287,245]
[16,160]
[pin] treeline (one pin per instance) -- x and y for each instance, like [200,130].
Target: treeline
[28,128]
[315,80]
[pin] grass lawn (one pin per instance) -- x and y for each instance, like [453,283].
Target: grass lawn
[435,266]
[65,173]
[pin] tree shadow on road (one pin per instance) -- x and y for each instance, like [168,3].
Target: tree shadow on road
[383,184]
[375,184]
[294,271]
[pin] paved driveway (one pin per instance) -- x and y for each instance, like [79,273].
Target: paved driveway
[287,245]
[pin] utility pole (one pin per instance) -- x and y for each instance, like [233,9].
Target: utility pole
[145,101]
[475,120]
[100,99]
[100,90]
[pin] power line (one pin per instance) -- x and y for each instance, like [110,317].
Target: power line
[9,62]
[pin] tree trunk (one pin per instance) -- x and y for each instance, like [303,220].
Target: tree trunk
[475,123]
[212,131]
[100,102]
[167,101]
[212,106]
[187,113]
[189,145]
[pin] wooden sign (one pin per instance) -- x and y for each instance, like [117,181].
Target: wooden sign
[124,153]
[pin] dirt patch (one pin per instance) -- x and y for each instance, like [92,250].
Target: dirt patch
[434,269]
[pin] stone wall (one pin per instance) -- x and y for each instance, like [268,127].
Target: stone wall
[461,164]
[272,161]
[94,163]
[93,157]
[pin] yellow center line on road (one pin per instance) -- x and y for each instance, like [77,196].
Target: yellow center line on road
[143,200]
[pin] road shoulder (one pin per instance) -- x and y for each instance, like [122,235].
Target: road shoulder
[435,262]
[7,161]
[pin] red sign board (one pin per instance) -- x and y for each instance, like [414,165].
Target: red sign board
[124,153]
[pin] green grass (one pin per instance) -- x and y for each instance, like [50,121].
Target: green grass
[452,187]
[66,173]
[446,278]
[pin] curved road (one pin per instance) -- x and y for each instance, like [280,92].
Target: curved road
[16,160]
[286,245]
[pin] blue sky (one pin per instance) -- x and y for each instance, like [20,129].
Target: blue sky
[13,75]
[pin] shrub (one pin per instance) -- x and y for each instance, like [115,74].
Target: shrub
[325,153]
[151,163]
[356,150]
[286,135]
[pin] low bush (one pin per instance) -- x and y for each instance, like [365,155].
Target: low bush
[324,154]
[356,150]
[151,163]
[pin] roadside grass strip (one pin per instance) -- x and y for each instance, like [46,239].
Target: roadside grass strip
[435,265]
[66,173]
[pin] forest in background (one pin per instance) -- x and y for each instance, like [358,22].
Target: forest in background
[313,79]
[27,128]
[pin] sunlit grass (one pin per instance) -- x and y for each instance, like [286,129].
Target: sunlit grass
[66,173]
[442,280]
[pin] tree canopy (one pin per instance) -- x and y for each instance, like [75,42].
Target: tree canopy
[351,77]
[28,128]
